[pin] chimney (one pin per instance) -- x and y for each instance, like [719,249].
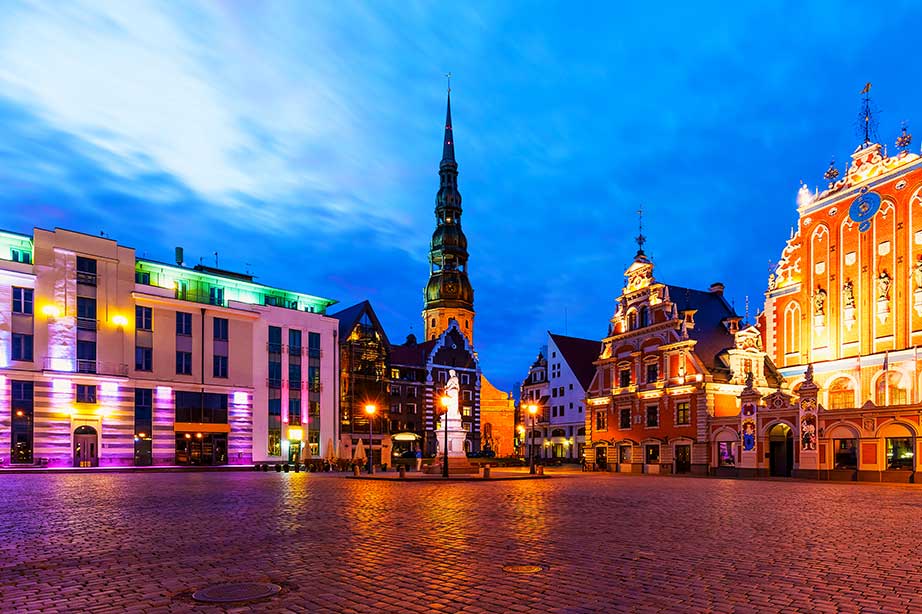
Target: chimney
[717,288]
[179,256]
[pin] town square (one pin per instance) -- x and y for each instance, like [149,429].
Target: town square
[258,353]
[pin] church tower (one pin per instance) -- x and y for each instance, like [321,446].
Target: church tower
[448,294]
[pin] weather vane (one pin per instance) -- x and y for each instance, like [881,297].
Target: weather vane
[448,76]
[640,238]
[868,123]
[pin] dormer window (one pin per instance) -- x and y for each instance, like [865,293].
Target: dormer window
[644,317]
[632,320]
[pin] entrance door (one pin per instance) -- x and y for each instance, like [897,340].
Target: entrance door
[601,458]
[781,451]
[683,459]
[85,447]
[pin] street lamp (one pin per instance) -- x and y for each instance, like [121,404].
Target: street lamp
[445,401]
[370,410]
[532,409]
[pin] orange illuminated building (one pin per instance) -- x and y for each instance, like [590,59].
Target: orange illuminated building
[845,299]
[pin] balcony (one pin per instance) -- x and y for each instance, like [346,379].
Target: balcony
[94,367]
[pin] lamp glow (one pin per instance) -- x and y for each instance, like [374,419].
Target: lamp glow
[240,398]
[295,434]
[51,311]
[370,409]
[120,320]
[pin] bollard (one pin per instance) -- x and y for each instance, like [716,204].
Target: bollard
[403,472]
[297,468]
[285,467]
[540,469]
[278,468]
[355,470]
[486,472]
[264,467]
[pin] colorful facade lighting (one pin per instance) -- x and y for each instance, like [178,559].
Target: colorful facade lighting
[295,434]
[164,393]
[61,386]
[240,398]
[109,389]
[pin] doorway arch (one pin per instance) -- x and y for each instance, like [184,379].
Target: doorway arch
[86,447]
[781,450]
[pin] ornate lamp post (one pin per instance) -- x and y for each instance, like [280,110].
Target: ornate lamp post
[370,411]
[532,409]
[445,401]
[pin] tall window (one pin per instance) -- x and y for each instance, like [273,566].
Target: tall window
[86,356]
[652,373]
[143,426]
[841,395]
[183,363]
[216,295]
[294,342]
[313,344]
[21,347]
[294,407]
[144,318]
[644,317]
[21,431]
[652,416]
[275,340]
[891,389]
[682,413]
[624,377]
[601,420]
[220,329]
[183,323]
[220,366]
[22,300]
[274,443]
[86,271]
[624,419]
[792,328]
[143,359]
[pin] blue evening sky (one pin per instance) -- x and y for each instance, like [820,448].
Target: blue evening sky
[301,140]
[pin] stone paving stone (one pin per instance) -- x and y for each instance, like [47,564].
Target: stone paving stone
[145,542]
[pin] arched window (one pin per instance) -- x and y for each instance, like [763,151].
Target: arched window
[644,317]
[792,328]
[891,389]
[632,320]
[841,394]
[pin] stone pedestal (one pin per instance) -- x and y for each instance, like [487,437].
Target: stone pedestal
[457,457]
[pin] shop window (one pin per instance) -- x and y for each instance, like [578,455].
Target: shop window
[726,453]
[846,451]
[900,453]
[624,454]
[651,454]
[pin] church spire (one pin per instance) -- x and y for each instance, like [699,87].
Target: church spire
[448,143]
[449,294]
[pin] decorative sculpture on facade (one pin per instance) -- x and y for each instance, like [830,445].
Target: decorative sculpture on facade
[848,304]
[883,295]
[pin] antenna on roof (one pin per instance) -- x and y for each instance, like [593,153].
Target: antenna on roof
[640,238]
[216,260]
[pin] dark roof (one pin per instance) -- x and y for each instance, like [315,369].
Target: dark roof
[579,354]
[709,331]
[350,315]
[414,354]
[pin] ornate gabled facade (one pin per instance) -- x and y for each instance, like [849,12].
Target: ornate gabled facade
[845,303]
[673,359]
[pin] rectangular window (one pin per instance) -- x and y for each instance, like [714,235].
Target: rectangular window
[651,454]
[142,277]
[313,345]
[86,313]
[652,416]
[313,379]
[294,341]
[294,375]
[624,378]
[86,271]
[220,329]
[22,300]
[624,454]
[216,295]
[554,392]
[199,407]
[21,424]
[294,407]
[143,359]
[143,318]
[274,443]
[466,411]
[143,426]
[411,408]
[183,363]
[184,324]
[601,420]
[21,255]
[275,340]
[624,419]
[21,347]
[465,378]
[846,451]
[652,373]
[682,414]
[220,366]
[900,453]
[86,394]
[726,453]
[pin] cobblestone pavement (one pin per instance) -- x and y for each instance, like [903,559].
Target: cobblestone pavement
[144,542]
